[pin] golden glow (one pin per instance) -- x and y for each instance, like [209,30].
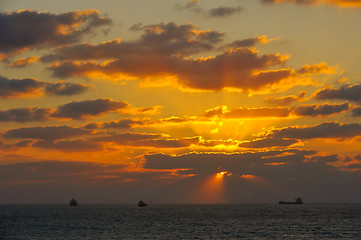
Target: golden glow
[248,176]
[274,164]
[220,175]
[212,189]
[163,81]
[253,178]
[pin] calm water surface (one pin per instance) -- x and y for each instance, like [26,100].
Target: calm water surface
[180,222]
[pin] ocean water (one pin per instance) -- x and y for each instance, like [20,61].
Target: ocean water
[253,221]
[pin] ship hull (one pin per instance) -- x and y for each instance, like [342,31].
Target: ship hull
[282,202]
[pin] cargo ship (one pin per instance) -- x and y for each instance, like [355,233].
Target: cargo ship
[298,201]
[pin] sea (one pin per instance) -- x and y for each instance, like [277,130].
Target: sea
[235,221]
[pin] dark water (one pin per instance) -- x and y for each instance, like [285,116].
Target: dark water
[180,222]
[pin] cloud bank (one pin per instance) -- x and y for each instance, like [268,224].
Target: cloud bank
[12,88]
[28,29]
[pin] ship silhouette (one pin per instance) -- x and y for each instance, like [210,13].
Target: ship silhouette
[298,201]
[141,203]
[73,202]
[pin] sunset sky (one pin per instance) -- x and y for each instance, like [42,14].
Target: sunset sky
[199,101]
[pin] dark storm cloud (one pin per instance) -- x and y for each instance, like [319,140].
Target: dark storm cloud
[88,108]
[56,171]
[24,114]
[223,11]
[10,88]
[26,29]
[333,130]
[236,163]
[347,92]
[356,112]
[319,110]
[355,166]
[95,181]
[315,180]
[352,162]
[45,133]
[285,101]
[272,173]
[78,145]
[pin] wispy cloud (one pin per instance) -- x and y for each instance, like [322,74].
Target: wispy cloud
[23,62]
[223,11]
[286,100]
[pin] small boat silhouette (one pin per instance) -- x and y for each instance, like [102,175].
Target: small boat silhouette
[298,201]
[73,202]
[141,203]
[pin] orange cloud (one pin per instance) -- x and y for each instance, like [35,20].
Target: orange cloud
[285,101]
[147,140]
[165,52]
[223,112]
[320,68]
[339,3]
[240,69]
[22,62]
[269,143]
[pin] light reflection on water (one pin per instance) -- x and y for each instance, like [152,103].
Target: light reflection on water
[253,221]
